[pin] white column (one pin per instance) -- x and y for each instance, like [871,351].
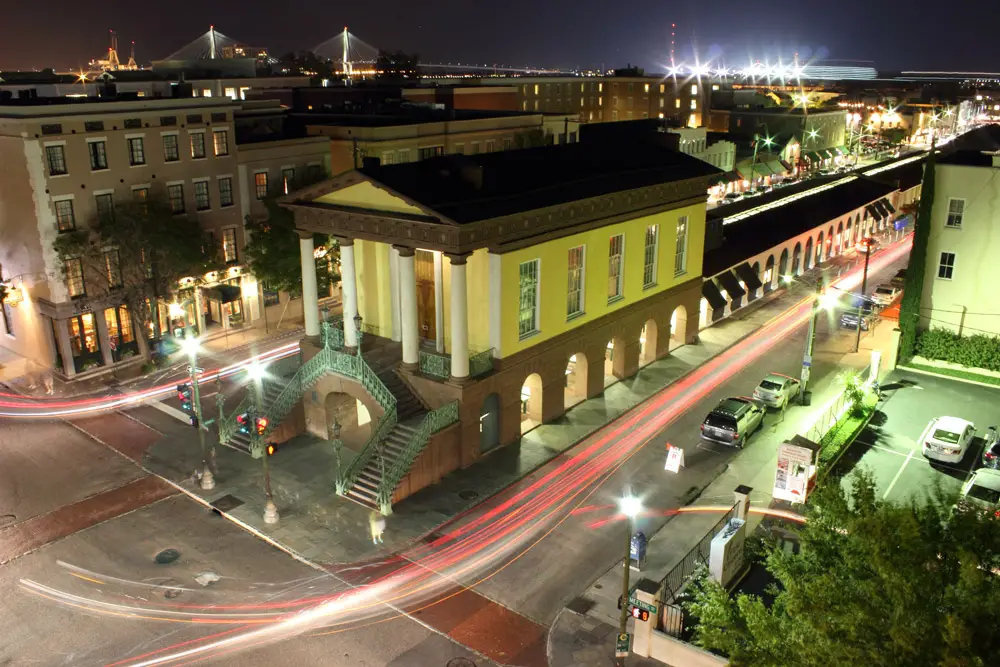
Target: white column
[408,307]
[65,347]
[394,293]
[199,312]
[439,302]
[459,319]
[104,336]
[310,299]
[496,294]
[349,291]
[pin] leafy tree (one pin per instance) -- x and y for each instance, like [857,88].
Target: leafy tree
[893,135]
[272,252]
[909,309]
[396,65]
[136,253]
[530,138]
[875,583]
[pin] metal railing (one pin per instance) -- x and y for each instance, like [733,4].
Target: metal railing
[433,421]
[481,363]
[671,620]
[675,581]
[438,365]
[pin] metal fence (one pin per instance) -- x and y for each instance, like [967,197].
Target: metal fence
[672,620]
[672,584]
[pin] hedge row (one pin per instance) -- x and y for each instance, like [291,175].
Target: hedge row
[977,351]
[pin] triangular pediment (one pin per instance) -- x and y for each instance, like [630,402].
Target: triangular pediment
[356,190]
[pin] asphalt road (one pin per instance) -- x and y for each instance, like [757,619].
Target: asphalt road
[890,451]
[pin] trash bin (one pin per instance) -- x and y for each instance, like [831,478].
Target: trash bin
[807,397]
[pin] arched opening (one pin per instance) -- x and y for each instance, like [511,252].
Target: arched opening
[531,402]
[768,278]
[848,239]
[576,379]
[678,324]
[702,320]
[647,343]
[819,249]
[489,423]
[839,240]
[353,417]
[783,264]
[796,259]
[807,262]
[756,271]
[613,349]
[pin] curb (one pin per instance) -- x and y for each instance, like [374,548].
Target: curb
[843,450]
[911,369]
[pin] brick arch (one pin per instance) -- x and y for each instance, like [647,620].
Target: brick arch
[314,402]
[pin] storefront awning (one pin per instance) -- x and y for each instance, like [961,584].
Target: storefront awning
[761,169]
[749,278]
[222,293]
[711,292]
[813,156]
[776,167]
[873,212]
[786,165]
[727,177]
[887,206]
[731,284]
[841,150]
[880,208]
[828,153]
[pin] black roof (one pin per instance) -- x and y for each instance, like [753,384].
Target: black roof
[403,114]
[756,233]
[967,159]
[983,138]
[467,188]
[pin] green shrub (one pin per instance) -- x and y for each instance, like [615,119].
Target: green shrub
[976,351]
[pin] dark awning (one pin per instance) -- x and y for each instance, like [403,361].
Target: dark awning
[749,278]
[711,292]
[787,166]
[222,293]
[814,156]
[873,212]
[880,208]
[730,283]
[776,167]
[827,153]
[888,207]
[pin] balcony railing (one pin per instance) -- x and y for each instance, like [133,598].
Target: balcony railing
[438,366]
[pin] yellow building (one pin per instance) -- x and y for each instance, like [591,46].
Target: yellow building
[512,285]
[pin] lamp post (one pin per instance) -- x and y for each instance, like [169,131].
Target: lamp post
[864,286]
[357,326]
[256,372]
[753,163]
[190,346]
[630,507]
[823,301]
[338,444]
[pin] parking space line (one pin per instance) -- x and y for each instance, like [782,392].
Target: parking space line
[899,472]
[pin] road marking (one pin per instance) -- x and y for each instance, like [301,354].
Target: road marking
[898,473]
[170,410]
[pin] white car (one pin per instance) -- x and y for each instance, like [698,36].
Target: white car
[982,490]
[776,390]
[885,294]
[946,439]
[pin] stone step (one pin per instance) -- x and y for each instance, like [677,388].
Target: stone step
[363,500]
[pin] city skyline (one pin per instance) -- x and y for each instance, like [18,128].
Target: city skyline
[521,35]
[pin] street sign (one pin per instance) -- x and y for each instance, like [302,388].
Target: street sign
[621,646]
[645,606]
[197,369]
[806,364]
[675,459]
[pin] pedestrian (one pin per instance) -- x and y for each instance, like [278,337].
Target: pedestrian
[377,522]
[49,382]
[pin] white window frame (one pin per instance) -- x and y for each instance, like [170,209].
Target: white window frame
[581,286]
[97,140]
[208,190]
[650,257]
[232,192]
[128,149]
[45,157]
[229,134]
[267,183]
[681,245]
[536,328]
[619,277]
[950,267]
[204,145]
[167,186]
[55,211]
[948,214]
[236,254]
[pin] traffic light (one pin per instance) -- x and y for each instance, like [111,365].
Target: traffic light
[261,424]
[271,449]
[640,614]
[244,422]
[185,396]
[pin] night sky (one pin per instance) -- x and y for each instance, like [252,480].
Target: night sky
[584,33]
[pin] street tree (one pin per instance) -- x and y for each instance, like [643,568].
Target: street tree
[135,254]
[909,309]
[874,583]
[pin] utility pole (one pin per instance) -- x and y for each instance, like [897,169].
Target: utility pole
[804,394]
[630,507]
[864,286]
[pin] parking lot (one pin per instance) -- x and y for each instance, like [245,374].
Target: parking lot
[889,447]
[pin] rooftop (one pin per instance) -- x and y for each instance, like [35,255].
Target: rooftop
[973,149]
[468,188]
[405,114]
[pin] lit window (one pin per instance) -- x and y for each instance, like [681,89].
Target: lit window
[528,301]
[65,218]
[288,179]
[201,198]
[694,104]
[600,87]
[74,278]
[649,256]
[171,153]
[225,191]
[229,245]
[956,211]
[694,89]
[680,247]
[220,139]
[260,184]
[677,103]
[105,207]
[198,145]
[176,195]
[536,89]
[98,155]
[112,266]
[56,157]
[136,152]
[646,88]
[616,248]
[574,292]
[946,267]
[663,88]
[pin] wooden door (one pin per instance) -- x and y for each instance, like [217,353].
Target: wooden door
[426,312]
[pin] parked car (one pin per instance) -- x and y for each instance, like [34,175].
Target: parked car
[982,491]
[885,294]
[868,244]
[865,311]
[899,280]
[776,390]
[946,439]
[731,197]
[733,421]
[991,449]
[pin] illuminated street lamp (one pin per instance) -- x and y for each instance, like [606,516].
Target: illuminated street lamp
[257,373]
[756,143]
[630,506]
[190,347]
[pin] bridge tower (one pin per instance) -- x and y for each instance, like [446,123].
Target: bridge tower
[346,58]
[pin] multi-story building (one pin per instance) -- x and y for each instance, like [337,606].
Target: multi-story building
[963,243]
[510,285]
[66,161]
[414,134]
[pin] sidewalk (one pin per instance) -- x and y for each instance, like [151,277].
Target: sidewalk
[318,525]
[587,639]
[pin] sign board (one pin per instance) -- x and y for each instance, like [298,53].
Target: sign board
[675,459]
[635,602]
[621,646]
[876,363]
[196,369]
[794,470]
[726,558]
[637,547]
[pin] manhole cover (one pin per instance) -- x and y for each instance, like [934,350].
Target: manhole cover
[467,494]
[171,593]
[7,518]
[460,662]
[227,503]
[598,586]
[167,556]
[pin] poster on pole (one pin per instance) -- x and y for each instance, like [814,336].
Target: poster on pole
[795,469]
[675,459]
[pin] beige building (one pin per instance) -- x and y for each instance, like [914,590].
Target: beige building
[418,134]
[961,254]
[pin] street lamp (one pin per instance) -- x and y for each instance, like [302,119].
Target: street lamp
[190,347]
[357,327]
[753,164]
[338,444]
[630,506]
[822,302]
[864,286]
[256,373]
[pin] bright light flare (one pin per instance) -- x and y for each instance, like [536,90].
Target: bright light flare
[630,506]
[190,346]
